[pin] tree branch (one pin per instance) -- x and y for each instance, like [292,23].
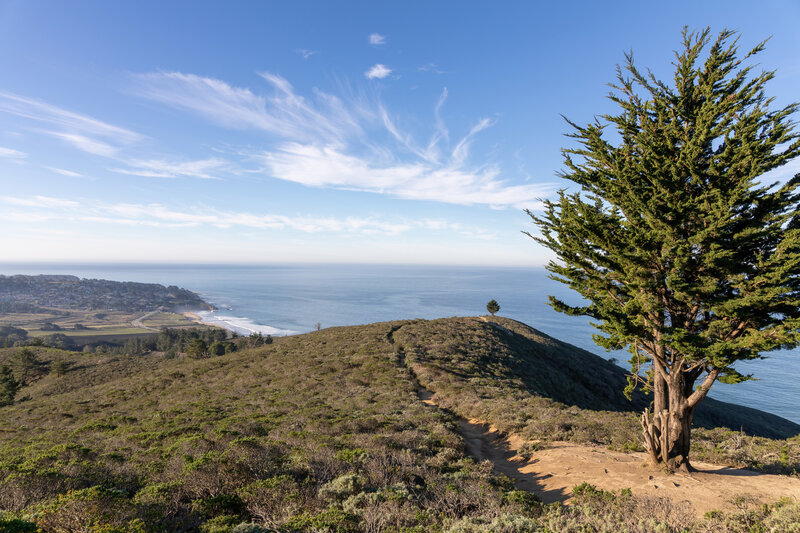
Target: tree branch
[702,391]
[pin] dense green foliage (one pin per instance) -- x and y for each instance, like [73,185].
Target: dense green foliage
[8,386]
[492,307]
[215,341]
[9,336]
[683,255]
[316,432]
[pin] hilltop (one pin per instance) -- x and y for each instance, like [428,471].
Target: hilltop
[327,431]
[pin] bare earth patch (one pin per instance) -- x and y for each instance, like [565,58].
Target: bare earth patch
[551,473]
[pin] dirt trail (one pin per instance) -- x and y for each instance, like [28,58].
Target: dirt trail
[551,473]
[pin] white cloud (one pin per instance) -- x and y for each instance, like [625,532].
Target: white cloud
[85,144]
[40,201]
[432,67]
[25,217]
[326,166]
[378,71]
[83,132]
[43,209]
[782,174]
[10,153]
[64,172]
[157,214]
[376,39]
[156,168]
[328,142]
[305,53]
[284,113]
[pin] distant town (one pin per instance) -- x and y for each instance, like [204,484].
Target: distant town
[33,294]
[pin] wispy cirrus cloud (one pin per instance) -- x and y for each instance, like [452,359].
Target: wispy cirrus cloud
[317,166]
[40,201]
[328,142]
[158,168]
[42,209]
[305,53]
[432,67]
[283,113]
[10,153]
[378,72]
[64,172]
[376,39]
[86,144]
[81,131]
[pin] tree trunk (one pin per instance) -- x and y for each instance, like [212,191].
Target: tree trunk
[667,433]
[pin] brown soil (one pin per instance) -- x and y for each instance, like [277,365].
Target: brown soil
[551,473]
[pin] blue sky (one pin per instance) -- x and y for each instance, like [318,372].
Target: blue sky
[379,132]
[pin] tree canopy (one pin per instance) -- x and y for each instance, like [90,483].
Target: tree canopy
[685,256]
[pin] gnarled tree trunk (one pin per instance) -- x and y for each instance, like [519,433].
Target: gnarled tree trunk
[667,432]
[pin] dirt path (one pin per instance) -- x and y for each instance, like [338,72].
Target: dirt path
[137,323]
[551,473]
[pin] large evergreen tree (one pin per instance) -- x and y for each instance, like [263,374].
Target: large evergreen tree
[685,257]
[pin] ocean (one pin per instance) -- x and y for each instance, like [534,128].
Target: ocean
[290,299]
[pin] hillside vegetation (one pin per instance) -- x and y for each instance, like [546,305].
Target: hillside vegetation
[326,432]
[525,382]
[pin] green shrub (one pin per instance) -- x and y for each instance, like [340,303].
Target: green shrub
[331,520]
[250,528]
[342,487]
[16,525]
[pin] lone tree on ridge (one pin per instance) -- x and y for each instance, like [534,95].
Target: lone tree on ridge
[493,307]
[685,257]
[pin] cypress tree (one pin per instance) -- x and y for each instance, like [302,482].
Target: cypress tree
[8,386]
[685,257]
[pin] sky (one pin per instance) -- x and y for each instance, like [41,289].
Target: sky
[331,132]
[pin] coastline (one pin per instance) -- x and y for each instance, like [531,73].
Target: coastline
[238,325]
[197,319]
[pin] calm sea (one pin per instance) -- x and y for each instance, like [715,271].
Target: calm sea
[285,299]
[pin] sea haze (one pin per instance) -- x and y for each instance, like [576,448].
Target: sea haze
[288,299]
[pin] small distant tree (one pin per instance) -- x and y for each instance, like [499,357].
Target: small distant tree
[8,386]
[492,307]
[26,365]
[217,348]
[197,349]
[59,367]
[681,253]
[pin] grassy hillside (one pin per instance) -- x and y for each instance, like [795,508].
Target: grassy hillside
[318,432]
[523,381]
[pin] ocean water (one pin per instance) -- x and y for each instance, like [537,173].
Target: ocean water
[289,299]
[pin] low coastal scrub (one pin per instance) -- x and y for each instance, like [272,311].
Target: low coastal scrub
[524,382]
[317,432]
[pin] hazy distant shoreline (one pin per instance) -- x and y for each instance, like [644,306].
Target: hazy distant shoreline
[240,325]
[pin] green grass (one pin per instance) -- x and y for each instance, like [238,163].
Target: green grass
[316,432]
